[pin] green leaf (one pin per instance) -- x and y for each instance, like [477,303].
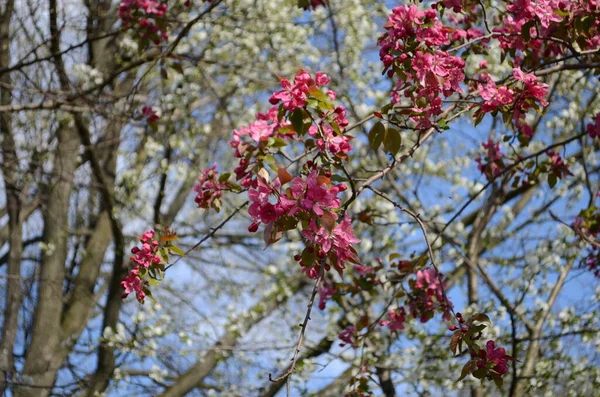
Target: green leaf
[456,338]
[480,373]
[297,119]
[376,135]
[224,177]
[304,4]
[443,124]
[216,205]
[506,117]
[308,258]
[392,141]
[469,367]
[177,67]
[552,180]
[176,250]
[338,178]
[394,256]
[525,30]
[482,318]
[153,282]
[498,381]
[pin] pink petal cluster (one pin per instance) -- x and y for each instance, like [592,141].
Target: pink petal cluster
[410,48]
[144,14]
[348,336]
[593,129]
[491,165]
[543,10]
[532,89]
[294,95]
[557,165]
[267,125]
[428,295]
[150,114]
[144,258]
[337,243]
[328,140]
[494,358]
[397,318]
[133,284]
[209,189]
[544,18]
[326,291]
[494,97]
[313,196]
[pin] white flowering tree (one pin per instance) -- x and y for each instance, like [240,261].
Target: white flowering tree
[453,231]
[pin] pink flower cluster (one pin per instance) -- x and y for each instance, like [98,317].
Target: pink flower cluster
[267,125]
[518,100]
[294,95]
[493,358]
[326,291]
[557,165]
[209,189]
[543,10]
[144,258]
[491,165]
[313,4]
[495,97]
[337,243]
[397,317]
[327,132]
[593,129]
[150,114]
[532,90]
[425,298]
[428,295]
[348,336]
[543,19]
[311,200]
[148,15]
[426,73]
[312,196]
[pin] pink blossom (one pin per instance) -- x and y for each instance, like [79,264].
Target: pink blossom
[593,129]
[209,188]
[557,165]
[491,165]
[260,130]
[325,293]
[146,14]
[494,97]
[533,87]
[260,208]
[328,140]
[428,295]
[322,79]
[150,114]
[496,356]
[348,336]
[292,96]
[133,283]
[397,317]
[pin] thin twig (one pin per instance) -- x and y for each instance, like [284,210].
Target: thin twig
[211,234]
[417,218]
[303,326]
